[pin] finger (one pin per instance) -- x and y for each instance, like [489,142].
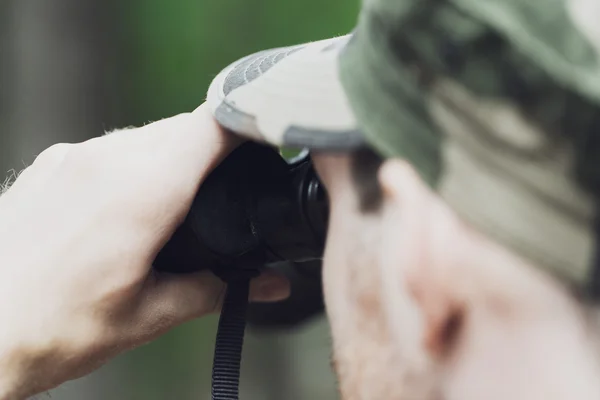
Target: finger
[173,299]
[173,156]
[42,167]
[53,155]
[270,286]
[193,140]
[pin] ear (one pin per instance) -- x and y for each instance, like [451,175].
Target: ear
[421,246]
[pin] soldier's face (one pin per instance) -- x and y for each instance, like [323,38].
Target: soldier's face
[423,307]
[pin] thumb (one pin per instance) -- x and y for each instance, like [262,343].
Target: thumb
[171,300]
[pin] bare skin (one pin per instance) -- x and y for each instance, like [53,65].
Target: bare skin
[423,308]
[80,229]
[426,308]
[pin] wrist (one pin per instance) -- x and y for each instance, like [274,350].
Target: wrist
[18,366]
[10,367]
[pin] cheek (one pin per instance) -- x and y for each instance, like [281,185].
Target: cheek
[362,355]
[335,287]
[366,355]
[335,264]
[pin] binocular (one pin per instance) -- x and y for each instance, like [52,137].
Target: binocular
[257,210]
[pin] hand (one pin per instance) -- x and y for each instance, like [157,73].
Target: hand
[79,230]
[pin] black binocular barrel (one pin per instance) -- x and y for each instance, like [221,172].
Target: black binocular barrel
[254,209]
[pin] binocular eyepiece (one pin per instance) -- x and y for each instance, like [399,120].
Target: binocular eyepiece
[253,210]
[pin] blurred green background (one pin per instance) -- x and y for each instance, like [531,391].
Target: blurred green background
[72,69]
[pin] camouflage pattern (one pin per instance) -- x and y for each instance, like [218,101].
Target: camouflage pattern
[495,102]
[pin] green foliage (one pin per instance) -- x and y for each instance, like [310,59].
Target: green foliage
[172,50]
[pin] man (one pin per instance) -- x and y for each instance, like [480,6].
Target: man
[457,141]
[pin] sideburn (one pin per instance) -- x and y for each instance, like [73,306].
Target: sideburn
[364,168]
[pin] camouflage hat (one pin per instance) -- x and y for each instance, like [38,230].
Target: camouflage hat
[288,97]
[495,102]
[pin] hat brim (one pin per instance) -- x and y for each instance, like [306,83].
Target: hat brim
[288,97]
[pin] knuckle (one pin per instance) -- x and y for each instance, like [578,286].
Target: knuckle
[82,160]
[54,154]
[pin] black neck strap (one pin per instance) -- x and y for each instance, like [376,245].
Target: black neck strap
[230,341]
